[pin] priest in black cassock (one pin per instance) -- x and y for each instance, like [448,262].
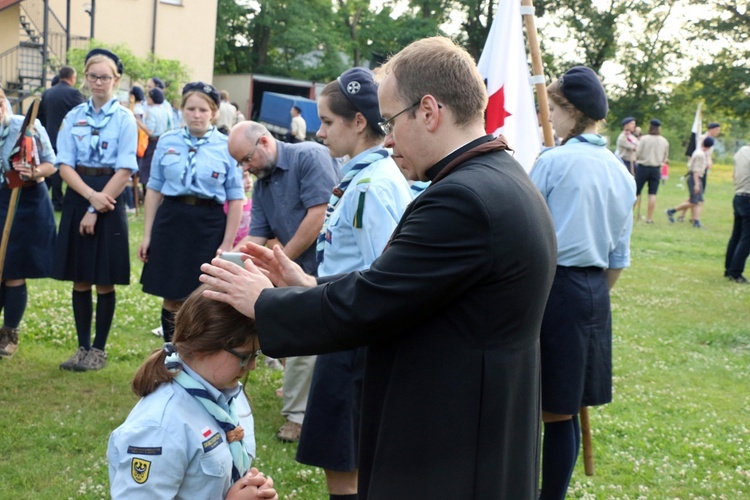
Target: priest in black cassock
[450,312]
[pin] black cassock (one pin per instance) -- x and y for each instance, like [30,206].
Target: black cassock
[451,313]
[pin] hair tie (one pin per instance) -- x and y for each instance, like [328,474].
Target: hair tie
[172,362]
[168,347]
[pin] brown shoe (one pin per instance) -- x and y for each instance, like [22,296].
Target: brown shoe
[289,432]
[9,342]
[95,359]
[74,359]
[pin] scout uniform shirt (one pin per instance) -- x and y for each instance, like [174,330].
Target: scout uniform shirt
[171,447]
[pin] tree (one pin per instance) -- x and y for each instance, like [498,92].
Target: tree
[232,46]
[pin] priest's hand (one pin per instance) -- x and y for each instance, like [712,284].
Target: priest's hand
[279,268]
[234,285]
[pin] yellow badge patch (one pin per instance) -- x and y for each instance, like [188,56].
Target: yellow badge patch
[140,468]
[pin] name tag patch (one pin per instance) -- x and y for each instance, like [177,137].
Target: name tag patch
[139,469]
[140,450]
[105,144]
[215,175]
[212,442]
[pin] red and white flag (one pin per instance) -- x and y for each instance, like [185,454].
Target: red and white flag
[503,64]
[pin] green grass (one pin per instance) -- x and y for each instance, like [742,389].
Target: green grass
[678,426]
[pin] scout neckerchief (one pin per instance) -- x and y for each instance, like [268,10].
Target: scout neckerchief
[3,136]
[594,139]
[338,192]
[95,142]
[189,173]
[224,415]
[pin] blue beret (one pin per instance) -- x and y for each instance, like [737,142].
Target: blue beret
[157,95]
[582,88]
[55,80]
[157,81]
[205,88]
[627,120]
[713,125]
[655,123]
[106,53]
[708,142]
[359,87]
[137,92]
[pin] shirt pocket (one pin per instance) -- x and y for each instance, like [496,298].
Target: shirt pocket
[82,140]
[172,166]
[216,463]
[211,177]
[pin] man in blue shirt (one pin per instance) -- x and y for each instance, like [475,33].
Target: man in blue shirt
[289,203]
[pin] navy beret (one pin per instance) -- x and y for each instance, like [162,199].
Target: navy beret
[55,80]
[359,87]
[582,88]
[708,142]
[157,81]
[713,125]
[157,95]
[106,53]
[205,88]
[627,120]
[137,92]
[655,123]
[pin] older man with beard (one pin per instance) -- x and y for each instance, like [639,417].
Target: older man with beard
[289,203]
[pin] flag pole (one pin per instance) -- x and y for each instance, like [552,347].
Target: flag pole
[527,10]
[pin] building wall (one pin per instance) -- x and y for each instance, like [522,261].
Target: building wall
[183,32]
[9,27]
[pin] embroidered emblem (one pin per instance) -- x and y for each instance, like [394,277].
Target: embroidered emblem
[171,151]
[329,236]
[206,431]
[139,469]
[80,123]
[215,175]
[353,87]
[212,442]
[140,450]
[105,144]
[206,89]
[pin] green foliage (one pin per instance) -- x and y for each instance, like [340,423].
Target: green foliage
[171,71]
[677,427]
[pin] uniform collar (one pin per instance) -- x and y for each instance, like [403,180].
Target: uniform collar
[224,396]
[349,164]
[105,108]
[433,171]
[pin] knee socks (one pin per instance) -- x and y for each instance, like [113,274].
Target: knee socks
[82,309]
[559,455]
[342,497]
[15,304]
[167,324]
[105,311]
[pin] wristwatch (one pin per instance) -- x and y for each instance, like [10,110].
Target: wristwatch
[91,209]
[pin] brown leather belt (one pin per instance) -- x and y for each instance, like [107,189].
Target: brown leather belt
[195,201]
[94,170]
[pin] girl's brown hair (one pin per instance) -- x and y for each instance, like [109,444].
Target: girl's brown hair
[582,122]
[202,327]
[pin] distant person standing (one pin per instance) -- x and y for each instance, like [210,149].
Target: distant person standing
[738,248]
[651,154]
[227,117]
[154,123]
[298,129]
[696,169]
[56,102]
[627,144]
[156,82]
[713,131]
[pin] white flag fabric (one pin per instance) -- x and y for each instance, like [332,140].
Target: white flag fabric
[503,64]
[695,131]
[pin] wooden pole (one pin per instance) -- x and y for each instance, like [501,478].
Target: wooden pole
[527,9]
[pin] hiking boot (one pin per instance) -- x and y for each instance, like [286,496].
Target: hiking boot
[697,224]
[9,342]
[740,279]
[670,214]
[74,359]
[289,432]
[95,359]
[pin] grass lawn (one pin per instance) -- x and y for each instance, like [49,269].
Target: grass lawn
[678,426]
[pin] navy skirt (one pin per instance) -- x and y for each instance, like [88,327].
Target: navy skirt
[576,341]
[183,237]
[330,435]
[31,243]
[102,258]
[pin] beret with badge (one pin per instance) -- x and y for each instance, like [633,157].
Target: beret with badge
[359,87]
[110,55]
[204,88]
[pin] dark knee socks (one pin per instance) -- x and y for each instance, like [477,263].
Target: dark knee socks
[559,455]
[82,309]
[342,497]
[105,311]
[14,304]
[167,324]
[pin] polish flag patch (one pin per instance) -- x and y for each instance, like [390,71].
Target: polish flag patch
[206,431]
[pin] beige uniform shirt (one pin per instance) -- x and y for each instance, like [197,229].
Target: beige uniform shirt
[299,127]
[742,170]
[653,150]
[627,144]
[698,162]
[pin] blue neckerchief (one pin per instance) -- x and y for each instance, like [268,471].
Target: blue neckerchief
[3,136]
[595,139]
[189,173]
[225,415]
[95,143]
[338,193]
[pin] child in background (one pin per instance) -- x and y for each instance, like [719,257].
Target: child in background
[664,173]
[247,182]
